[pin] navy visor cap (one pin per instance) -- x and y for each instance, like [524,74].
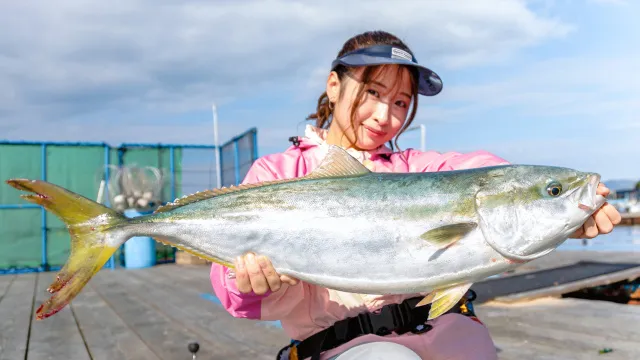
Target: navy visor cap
[429,83]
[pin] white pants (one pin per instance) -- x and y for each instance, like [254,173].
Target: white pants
[378,351]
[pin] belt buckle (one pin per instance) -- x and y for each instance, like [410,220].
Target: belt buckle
[381,322]
[421,328]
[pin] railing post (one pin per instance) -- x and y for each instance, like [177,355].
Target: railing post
[236,158]
[255,144]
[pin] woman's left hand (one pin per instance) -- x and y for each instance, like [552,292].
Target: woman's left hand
[602,221]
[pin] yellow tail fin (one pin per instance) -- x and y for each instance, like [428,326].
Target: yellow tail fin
[88,223]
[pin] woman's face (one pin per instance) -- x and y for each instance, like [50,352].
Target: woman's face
[381,112]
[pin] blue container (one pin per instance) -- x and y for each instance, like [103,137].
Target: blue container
[139,251]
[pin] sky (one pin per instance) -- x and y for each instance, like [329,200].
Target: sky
[539,82]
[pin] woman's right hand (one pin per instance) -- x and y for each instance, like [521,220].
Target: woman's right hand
[256,273]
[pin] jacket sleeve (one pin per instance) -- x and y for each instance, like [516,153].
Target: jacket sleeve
[269,306]
[433,161]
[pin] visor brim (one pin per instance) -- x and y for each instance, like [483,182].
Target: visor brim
[429,83]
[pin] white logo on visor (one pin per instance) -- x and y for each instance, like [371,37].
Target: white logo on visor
[400,54]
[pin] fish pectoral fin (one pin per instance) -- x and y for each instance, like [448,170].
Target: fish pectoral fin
[445,299]
[447,235]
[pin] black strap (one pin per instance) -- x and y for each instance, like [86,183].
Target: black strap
[295,140]
[398,318]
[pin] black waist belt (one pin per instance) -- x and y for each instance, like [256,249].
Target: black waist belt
[399,318]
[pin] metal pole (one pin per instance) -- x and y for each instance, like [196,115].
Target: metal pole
[217,147]
[172,170]
[107,161]
[172,166]
[43,214]
[423,135]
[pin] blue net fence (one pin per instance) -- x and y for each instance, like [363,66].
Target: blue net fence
[140,176]
[236,157]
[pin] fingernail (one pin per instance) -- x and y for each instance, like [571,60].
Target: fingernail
[251,259]
[239,263]
[262,260]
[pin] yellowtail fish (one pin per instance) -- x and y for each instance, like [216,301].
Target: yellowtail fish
[345,227]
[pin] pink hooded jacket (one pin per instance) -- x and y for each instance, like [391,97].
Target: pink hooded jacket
[305,309]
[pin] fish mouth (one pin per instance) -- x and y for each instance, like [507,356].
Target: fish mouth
[589,200]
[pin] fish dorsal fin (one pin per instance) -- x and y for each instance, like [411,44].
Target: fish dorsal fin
[337,163]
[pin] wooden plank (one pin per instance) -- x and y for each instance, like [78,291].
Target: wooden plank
[106,334]
[58,336]
[562,258]
[522,348]
[630,219]
[568,327]
[606,279]
[15,316]
[165,337]
[630,215]
[197,278]
[5,283]
[264,337]
[593,319]
[188,310]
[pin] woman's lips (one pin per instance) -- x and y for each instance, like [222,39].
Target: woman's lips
[374,132]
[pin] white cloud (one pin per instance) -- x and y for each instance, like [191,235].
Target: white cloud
[589,87]
[72,58]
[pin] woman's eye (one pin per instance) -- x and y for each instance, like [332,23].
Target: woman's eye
[401,103]
[373,92]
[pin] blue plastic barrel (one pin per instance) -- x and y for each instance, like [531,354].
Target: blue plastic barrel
[139,251]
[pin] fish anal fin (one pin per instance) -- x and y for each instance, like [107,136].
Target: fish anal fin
[194,252]
[337,163]
[447,235]
[447,298]
[426,300]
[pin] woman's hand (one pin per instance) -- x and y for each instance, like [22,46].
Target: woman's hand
[257,273]
[602,221]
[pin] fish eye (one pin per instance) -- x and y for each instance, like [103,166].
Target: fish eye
[554,188]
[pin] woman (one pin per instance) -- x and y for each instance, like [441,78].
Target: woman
[371,97]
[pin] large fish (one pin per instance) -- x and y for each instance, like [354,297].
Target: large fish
[345,227]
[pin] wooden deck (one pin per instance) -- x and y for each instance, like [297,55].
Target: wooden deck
[155,313]
[563,329]
[129,314]
[630,218]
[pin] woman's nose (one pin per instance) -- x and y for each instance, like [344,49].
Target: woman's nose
[381,113]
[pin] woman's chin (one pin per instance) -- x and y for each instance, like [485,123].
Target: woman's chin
[369,144]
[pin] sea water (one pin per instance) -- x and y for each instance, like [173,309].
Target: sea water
[622,238]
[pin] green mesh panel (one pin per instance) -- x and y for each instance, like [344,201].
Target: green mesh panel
[21,233]
[78,169]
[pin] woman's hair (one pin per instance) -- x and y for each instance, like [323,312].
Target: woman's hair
[324,110]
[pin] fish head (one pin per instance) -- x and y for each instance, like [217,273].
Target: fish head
[525,212]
